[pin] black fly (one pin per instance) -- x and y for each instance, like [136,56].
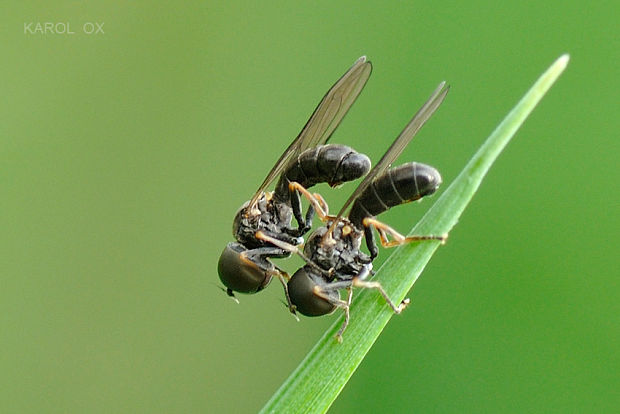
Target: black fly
[333,257]
[263,222]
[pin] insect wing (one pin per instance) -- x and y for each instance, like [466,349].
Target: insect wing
[397,147]
[325,118]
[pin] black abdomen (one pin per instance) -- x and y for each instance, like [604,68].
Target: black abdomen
[399,185]
[332,164]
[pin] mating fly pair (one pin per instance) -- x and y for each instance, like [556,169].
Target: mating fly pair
[333,257]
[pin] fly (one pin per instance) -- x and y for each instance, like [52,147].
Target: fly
[263,223]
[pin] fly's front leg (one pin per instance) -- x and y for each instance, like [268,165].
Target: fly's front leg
[282,237]
[261,235]
[259,258]
[283,245]
[322,292]
[284,277]
[346,315]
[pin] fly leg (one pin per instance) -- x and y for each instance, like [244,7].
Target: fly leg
[317,203]
[258,258]
[346,315]
[323,293]
[360,281]
[303,224]
[283,237]
[376,285]
[291,248]
[385,232]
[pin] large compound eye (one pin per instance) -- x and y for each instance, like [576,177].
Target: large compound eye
[301,291]
[239,273]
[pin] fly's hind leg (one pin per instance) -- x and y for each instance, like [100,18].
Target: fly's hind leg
[317,204]
[385,232]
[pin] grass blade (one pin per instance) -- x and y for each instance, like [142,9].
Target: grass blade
[320,377]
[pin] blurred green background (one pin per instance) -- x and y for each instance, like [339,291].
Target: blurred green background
[125,154]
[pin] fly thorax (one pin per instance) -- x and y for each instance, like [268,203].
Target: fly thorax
[250,219]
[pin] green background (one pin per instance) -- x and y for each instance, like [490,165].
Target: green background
[124,156]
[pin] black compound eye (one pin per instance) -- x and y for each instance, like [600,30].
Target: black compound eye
[239,273]
[301,291]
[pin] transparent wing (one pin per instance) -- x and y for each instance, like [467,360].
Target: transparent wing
[397,147]
[325,118]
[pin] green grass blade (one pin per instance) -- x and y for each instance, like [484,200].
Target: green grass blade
[320,377]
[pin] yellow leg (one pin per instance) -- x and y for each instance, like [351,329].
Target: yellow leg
[278,243]
[339,303]
[317,201]
[346,315]
[284,277]
[289,247]
[376,285]
[386,231]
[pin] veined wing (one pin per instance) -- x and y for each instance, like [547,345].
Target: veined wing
[324,120]
[397,147]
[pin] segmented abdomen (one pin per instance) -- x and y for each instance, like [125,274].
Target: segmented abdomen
[332,164]
[396,186]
